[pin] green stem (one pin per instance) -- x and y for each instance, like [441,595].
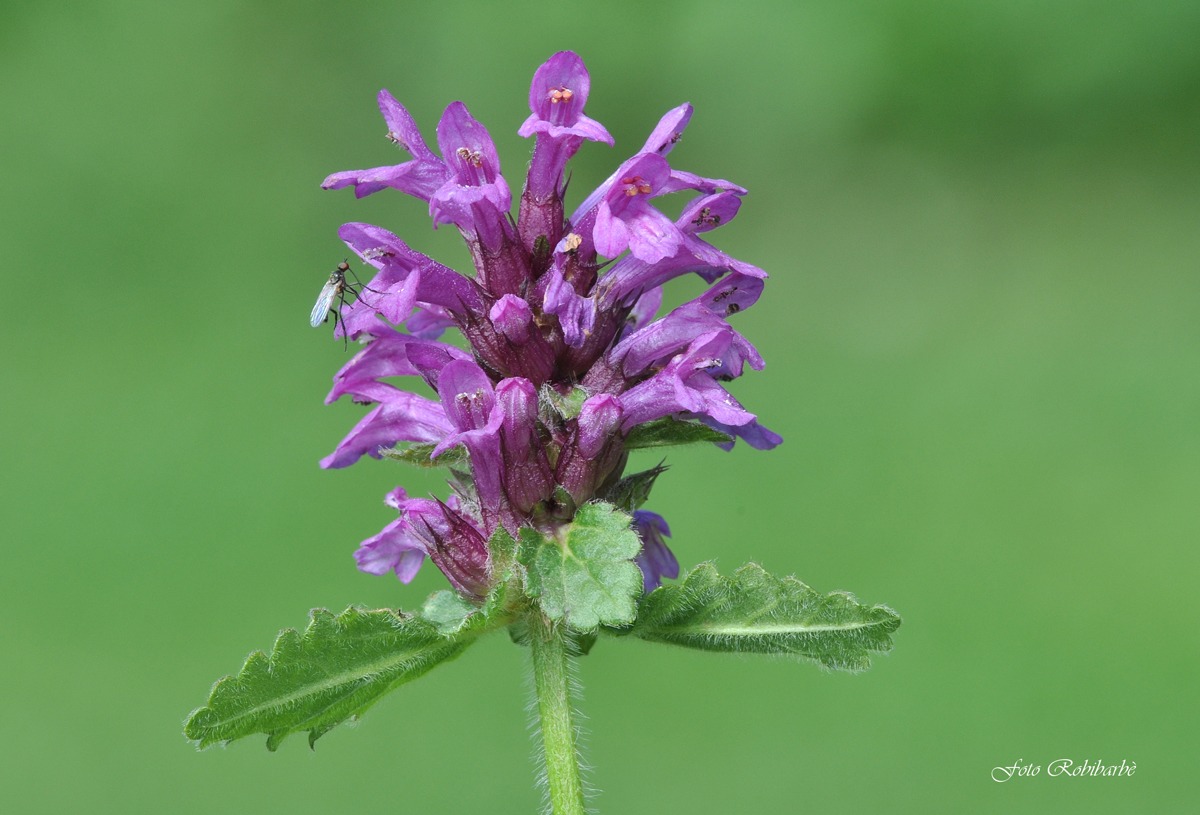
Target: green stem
[559,736]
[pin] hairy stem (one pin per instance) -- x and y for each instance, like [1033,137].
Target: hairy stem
[559,736]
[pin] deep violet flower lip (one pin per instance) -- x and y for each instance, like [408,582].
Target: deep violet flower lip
[656,559]
[559,311]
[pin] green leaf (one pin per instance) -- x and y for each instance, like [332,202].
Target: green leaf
[585,575]
[335,670]
[567,405]
[418,454]
[755,612]
[503,549]
[666,432]
[448,610]
[632,491]
[451,613]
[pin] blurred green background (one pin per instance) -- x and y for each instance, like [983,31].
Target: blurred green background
[982,221]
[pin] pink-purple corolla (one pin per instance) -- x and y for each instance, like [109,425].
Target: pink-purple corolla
[561,311]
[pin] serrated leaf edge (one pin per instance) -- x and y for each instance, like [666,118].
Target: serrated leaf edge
[319,617]
[884,618]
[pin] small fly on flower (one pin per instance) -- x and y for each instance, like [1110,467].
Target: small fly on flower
[335,289]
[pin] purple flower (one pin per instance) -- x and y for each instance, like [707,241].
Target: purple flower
[419,177]
[656,560]
[558,312]
[557,97]
[625,219]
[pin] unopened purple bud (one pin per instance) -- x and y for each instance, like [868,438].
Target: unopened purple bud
[598,421]
[512,317]
[459,550]
[527,476]
[594,449]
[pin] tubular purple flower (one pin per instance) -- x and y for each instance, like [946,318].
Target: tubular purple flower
[458,548]
[557,96]
[631,275]
[475,194]
[662,140]
[687,384]
[419,177]
[386,355]
[625,219]
[397,548]
[512,317]
[476,199]
[656,559]
[470,403]
[664,338]
[576,314]
[440,286]
[400,416]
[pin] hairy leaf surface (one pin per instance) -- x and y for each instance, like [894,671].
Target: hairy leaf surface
[586,575]
[667,432]
[336,669]
[752,611]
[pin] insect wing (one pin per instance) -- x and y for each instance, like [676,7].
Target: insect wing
[324,303]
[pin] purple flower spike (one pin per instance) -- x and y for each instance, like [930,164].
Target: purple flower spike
[656,559]
[567,354]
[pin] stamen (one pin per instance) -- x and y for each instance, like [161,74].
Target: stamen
[560,94]
[573,241]
[636,185]
[472,157]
